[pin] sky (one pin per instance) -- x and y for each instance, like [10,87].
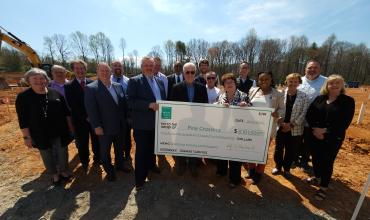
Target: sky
[147,23]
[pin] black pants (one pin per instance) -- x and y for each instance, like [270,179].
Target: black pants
[285,149]
[324,153]
[82,131]
[145,159]
[234,170]
[304,149]
[127,149]
[183,161]
[105,146]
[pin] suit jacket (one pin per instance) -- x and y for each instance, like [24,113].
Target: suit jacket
[75,99]
[299,110]
[171,82]
[244,86]
[180,93]
[200,79]
[140,95]
[103,111]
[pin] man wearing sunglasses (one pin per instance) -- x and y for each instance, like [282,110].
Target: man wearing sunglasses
[188,91]
[212,91]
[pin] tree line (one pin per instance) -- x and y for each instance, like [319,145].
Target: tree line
[281,56]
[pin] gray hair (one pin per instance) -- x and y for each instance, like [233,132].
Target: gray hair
[35,71]
[57,67]
[189,64]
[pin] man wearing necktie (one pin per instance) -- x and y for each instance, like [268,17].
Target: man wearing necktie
[106,106]
[74,92]
[143,91]
[176,77]
[119,77]
[159,75]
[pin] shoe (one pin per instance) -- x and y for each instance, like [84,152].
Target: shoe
[276,171]
[156,170]
[56,182]
[256,178]
[85,167]
[313,181]
[123,168]
[139,187]
[180,170]
[287,174]
[251,173]
[65,178]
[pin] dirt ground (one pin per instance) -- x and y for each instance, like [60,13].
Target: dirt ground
[25,191]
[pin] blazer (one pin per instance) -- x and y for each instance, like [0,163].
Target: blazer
[335,117]
[171,82]
[244,86]
[277,103]
[180,93]
[200,79]
[103,111]
[140,95]
[299,110]
[75,100]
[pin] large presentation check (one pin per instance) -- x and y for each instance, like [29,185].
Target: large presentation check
[213,131]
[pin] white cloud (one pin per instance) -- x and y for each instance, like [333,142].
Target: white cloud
[181,7]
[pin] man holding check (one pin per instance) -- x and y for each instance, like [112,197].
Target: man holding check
[188,91]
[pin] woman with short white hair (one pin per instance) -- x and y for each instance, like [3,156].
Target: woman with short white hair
[44,120]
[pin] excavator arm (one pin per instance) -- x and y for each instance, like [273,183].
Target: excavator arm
[24,48]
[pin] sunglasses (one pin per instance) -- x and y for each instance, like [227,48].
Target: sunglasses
[211,77]
[190,72]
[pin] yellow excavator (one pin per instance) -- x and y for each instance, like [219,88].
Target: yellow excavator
[23,47]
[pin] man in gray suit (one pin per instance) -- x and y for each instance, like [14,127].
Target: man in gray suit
[105,103]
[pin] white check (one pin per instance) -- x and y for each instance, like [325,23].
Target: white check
[213,131]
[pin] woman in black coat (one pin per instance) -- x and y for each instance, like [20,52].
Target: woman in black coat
[328,116]
[44,120]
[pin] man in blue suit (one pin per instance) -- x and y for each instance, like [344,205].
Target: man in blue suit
[143,91]
[106,106]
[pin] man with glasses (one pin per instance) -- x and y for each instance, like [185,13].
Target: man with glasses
[212,91]
[243,83]
[188,91]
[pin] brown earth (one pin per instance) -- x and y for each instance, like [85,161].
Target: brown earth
[25,191]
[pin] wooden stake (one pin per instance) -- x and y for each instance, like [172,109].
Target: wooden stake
[361,114]
[361,200]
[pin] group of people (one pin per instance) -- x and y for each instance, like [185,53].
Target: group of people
[52,113]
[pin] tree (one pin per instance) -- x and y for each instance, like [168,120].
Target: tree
[180,51]
[49,46]
[122,45]
[61,45]
[79,42]
[170,51]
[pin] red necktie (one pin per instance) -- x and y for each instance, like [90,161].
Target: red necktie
[82,84]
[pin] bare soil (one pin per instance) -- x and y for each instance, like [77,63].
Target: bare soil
[25,191]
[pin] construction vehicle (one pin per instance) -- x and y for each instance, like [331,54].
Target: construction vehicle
[23,47]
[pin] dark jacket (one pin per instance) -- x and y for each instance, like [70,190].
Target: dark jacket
[180,93]
[102,109]
[244,86]
[335,117]
[140,95]
[75,99]
[171,82]
[31,113]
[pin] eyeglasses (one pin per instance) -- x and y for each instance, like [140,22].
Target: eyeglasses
[190,72]
[211,77]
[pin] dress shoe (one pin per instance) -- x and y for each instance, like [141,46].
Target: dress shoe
[156,170]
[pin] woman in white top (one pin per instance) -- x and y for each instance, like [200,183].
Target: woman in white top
[265,95]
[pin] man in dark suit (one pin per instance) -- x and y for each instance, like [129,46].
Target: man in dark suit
[203,70]
[175,78]
[188,91]
[106,106]
[74,91]
[143,91]
[243,83]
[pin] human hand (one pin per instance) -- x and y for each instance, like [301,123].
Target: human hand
[154,106]
[99,131]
